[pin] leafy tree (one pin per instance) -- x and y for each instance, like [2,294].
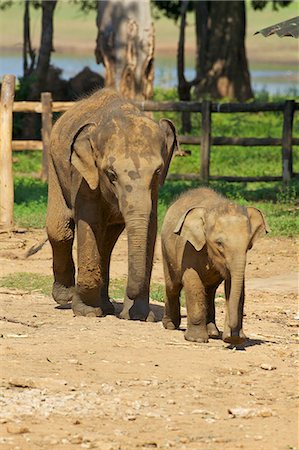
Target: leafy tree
[221,62]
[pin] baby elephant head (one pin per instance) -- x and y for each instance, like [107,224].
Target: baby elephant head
[228,232]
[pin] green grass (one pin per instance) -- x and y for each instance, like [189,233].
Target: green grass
[34,282]
[279,205]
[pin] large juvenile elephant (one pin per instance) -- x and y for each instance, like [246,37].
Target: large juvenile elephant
[205,238]
[106,162]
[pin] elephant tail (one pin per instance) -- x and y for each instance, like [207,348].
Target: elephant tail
[35,248]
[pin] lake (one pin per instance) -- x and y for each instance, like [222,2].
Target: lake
[274,81]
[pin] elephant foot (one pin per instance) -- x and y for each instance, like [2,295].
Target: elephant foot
[107,307]
[213,331]
[170,324]
[137,310]
[62,294]
[234,337]
[81,309]
[195,333]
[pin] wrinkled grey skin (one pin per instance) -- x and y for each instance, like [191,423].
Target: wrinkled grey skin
[105,165]
[205,239]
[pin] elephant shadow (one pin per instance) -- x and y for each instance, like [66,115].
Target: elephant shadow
[158,310]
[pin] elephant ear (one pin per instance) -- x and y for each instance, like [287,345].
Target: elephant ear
[171,146]
[191,227]
[83,156]
[258,223]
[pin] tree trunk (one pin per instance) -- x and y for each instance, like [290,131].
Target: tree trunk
[184,87]
[27,48]
[46,48]
[225,72]
[125,45]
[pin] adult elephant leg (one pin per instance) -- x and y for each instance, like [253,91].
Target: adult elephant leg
[105,247]
[60,228]
[87,300]
[196,307]
[213,331]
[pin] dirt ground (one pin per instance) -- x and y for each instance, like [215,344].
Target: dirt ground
[71,382]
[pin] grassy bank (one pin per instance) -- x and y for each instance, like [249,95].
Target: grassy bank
[279,205]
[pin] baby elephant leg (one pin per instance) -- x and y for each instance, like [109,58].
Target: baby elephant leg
[172,314]
[213,331]
[196,307]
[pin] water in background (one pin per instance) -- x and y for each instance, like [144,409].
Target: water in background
[274,81]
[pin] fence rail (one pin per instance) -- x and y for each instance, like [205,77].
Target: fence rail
[46,107]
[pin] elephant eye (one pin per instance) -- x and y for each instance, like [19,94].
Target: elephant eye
[111,175]
[219,243]
[159,170]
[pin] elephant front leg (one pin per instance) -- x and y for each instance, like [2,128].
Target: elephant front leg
[237,336]
[105,247]
[196,307]
[87,300]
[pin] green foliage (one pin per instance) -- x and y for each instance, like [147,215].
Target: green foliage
[276,4]
[30,202]
[279,203]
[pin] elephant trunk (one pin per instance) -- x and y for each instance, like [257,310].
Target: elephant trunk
[237,280]
[141,231]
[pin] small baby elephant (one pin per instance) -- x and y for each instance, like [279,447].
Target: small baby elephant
[205,238]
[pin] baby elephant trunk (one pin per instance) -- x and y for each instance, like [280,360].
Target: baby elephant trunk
[235,307]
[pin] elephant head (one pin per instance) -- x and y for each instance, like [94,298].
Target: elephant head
[126,157]
[227,233]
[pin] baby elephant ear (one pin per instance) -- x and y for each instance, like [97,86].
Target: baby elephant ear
[171,145]
[258,223]
[191,227]
[83,155]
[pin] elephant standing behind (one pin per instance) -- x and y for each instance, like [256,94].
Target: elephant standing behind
[205,238]
[106,162]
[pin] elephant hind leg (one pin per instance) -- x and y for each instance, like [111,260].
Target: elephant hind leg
[213,331]
[61,236]
[172,312]
[105,247]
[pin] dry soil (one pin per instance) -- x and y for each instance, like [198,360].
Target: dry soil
[72,382]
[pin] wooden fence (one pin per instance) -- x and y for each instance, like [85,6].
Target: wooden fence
[46,107]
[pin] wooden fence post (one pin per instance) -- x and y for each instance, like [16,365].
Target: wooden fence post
[287,155]
[6,173]
[205,140]
[46,100]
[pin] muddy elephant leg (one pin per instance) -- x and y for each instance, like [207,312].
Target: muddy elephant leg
[196,307]
[60,228]
[240,335]
[213,331]
[172,312]
[105,247]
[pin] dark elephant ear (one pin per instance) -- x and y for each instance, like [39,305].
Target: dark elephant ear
[171,145]
[83,156]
